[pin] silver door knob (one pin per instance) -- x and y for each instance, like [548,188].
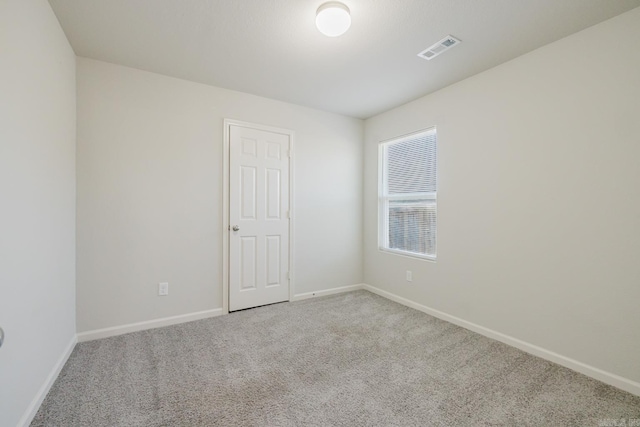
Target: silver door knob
[235,228]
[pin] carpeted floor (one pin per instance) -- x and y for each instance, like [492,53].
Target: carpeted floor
[352,359]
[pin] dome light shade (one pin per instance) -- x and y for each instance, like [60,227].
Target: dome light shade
[333,19]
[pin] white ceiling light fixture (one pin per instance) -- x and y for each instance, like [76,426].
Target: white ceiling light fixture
[333,19]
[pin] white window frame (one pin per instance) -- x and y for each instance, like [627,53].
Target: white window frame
[384,199]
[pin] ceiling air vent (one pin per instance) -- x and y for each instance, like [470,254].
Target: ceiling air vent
[437,48]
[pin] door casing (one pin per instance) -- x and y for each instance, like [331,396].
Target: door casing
[226,204]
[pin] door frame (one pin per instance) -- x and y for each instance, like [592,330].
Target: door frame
[226,160]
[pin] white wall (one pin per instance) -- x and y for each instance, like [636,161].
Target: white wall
[150,193]
[539,199]
[37,196]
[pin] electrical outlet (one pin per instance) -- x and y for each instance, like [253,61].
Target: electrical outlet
[163,288]
[409,276]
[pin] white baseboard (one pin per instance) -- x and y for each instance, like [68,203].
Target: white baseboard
[588,370]
[32,410]
[325,292]
[167,321]
[149,324]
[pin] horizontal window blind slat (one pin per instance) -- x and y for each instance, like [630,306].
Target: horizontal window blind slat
[410,196]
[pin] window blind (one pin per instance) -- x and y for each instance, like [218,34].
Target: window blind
[408,196]
[411,165]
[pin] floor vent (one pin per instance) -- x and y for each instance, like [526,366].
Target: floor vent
[440,47]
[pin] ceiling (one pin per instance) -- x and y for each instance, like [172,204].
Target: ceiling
[271,48]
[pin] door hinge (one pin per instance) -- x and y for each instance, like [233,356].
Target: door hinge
[288,214]
[288,276]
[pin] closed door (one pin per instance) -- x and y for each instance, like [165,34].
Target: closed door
[258,217]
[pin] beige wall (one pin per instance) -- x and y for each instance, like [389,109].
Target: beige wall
[539,200]
[37,204]
[150,193]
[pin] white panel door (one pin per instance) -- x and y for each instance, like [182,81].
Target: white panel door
[258,217]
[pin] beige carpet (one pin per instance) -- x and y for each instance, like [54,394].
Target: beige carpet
[353,359]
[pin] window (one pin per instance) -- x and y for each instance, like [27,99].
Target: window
[407,199]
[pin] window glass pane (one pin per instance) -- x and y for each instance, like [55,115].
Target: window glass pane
[411,165]
[412,226]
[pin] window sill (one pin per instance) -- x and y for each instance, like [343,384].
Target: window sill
[405,254]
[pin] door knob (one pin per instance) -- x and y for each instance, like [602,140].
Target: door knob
[235,228]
